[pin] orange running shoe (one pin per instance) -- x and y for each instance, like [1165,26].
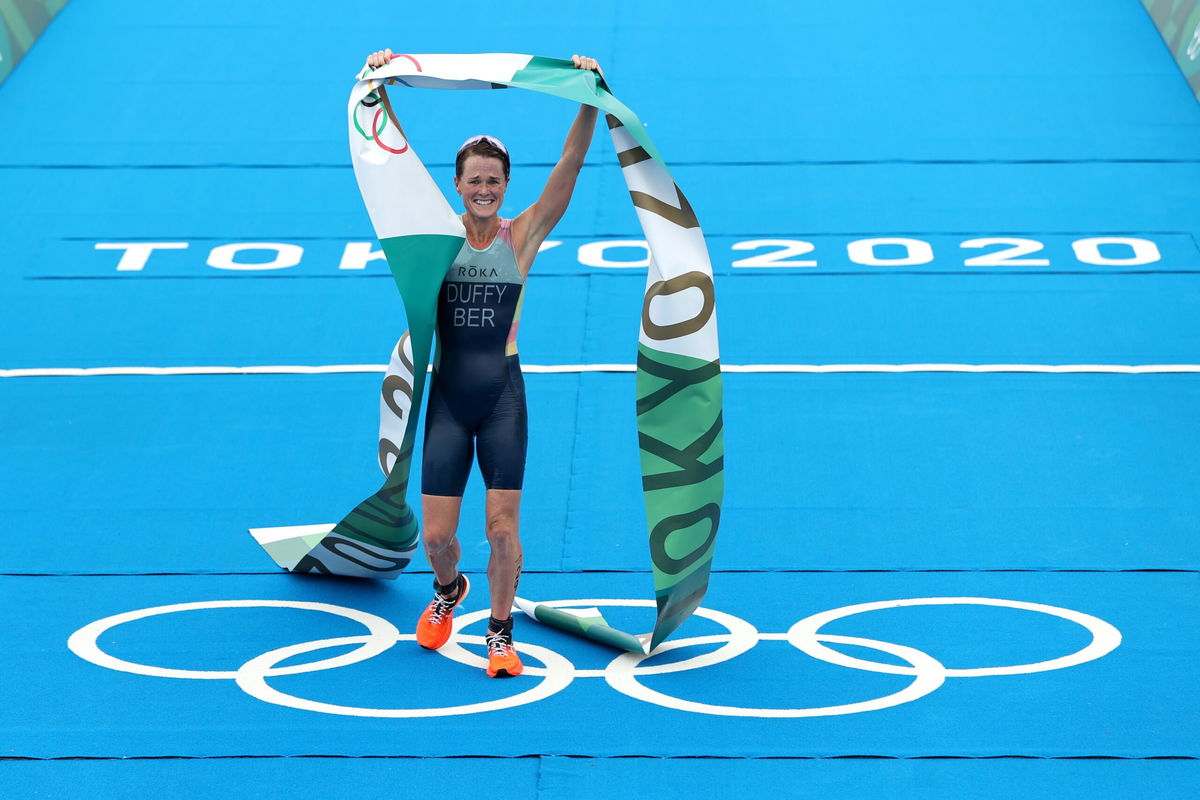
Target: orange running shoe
[503,661]
[437,623]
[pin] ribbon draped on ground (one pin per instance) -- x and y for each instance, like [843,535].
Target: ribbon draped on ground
[678,366]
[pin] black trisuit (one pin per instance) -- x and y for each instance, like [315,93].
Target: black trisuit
[477,395]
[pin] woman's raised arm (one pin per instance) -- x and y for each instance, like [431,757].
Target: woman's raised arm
[534,224]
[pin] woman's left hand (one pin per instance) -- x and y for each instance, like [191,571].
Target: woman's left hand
[583,62]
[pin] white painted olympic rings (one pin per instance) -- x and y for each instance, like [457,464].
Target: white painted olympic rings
[382,635]
[622,673]
[1105,638]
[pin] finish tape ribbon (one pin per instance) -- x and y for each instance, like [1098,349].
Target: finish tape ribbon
[678,381]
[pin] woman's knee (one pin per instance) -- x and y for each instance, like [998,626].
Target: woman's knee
[437,540]
[502,532]
[440,522]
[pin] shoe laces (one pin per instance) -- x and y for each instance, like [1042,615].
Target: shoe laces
[441,607]
[499,643]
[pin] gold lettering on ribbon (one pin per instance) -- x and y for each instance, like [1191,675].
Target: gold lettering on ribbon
[688,280]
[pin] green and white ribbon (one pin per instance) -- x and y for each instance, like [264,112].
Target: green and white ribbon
[678,364]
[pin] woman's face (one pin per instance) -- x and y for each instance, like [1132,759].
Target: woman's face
[481,185]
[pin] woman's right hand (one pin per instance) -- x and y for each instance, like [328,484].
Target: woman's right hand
[379,58]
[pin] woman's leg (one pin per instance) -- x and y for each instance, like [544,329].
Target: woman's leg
[440,527]
[444,468]
[501,445]
[441,545]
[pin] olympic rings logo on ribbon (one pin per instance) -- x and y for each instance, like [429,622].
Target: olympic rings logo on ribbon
[378,123]
[622,673]
[380,120]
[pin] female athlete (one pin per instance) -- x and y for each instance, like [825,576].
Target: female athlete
[477,395]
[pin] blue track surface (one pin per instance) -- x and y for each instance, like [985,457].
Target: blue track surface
[845,160]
